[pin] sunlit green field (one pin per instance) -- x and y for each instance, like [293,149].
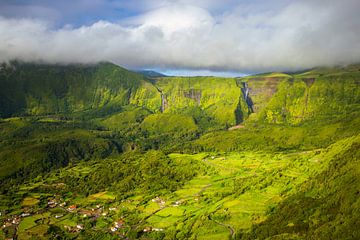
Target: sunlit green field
[236,191]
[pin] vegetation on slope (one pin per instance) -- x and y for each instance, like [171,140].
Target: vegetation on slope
[36,147]
[278,137]
[216,98]
[287,171]
[52,89]
[327,205]
[318,98]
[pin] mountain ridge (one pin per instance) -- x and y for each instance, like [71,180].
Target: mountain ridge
[164,154]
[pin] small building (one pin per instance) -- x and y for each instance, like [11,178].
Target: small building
[25,214]
[16,220]
[72,208]
[80,226]
[157,229]
[7,224]
[119,223]
[86,213]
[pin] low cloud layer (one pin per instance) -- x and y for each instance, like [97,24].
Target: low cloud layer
[177,35]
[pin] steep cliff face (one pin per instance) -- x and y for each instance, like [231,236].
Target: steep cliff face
[314,95]
[259,89]
[291,99]
[217,98]
[39,89]
[245,104]
[50,89]
[214,103]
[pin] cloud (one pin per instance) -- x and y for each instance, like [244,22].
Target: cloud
[180,35]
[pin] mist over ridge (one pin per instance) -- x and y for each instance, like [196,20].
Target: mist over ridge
[244,37]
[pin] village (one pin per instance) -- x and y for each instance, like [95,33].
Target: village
[11,223]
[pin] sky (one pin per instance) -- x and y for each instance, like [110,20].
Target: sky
[183,37]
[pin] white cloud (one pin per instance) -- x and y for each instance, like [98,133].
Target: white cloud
[179,35]
[176,18]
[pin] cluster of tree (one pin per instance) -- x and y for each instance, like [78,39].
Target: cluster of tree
[149,172]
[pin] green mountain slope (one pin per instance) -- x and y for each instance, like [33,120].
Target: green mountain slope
[262,87]
[33,89]
[99,152]
[220,100]
[30,147]
[315,95]
[39,89]
[327,207]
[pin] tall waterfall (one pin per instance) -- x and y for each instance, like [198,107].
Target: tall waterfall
[245,90]
[164,102]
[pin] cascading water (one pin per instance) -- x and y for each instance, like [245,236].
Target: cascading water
[163,100]
[245,91]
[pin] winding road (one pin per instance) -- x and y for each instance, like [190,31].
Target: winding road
[231,229]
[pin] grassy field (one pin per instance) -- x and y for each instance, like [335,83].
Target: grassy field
[29,201]
[101,196]
[236,191]
[239,193]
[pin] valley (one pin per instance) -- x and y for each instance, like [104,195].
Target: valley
[268,156]
[235,191]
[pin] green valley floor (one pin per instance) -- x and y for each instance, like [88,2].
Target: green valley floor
[233,192]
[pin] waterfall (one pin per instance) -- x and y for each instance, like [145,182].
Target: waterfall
[245,90]
[163,100]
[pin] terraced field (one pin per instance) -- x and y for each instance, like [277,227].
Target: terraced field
[236,191]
